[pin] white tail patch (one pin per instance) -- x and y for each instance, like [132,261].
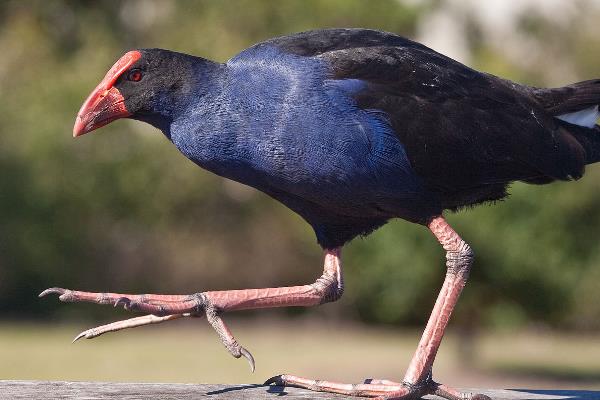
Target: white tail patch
[587,117]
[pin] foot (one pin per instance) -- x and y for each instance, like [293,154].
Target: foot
[379,388]
[161,308]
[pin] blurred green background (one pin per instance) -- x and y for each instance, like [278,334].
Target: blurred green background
[121,210]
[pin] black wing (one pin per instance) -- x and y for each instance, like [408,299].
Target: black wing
[464,131]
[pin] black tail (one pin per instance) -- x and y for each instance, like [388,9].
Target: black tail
[571,104]
[571,98]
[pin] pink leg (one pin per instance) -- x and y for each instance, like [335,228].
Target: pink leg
[328,287]
[459,258]
[417,380]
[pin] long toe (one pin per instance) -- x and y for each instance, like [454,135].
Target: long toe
[349,389]
[454,394]
[127,324]
[68,295]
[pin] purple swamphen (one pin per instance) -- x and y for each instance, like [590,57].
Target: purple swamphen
[348,128]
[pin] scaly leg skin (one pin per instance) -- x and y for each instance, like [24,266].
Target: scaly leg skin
[418,381]
[163,308]
[126,324]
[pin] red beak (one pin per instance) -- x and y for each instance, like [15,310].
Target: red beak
[105,104]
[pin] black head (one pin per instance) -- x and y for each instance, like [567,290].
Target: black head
[150,85]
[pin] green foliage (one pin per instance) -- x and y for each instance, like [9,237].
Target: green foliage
[121,210]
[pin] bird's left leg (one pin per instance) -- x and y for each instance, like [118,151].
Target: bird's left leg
[162,308]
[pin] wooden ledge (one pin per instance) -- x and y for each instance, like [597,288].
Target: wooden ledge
[175,391]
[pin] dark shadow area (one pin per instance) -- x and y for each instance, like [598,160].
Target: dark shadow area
[560,394]
[278,390]
[272,389]
[233,388]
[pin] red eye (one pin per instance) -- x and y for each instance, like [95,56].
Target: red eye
[134,75]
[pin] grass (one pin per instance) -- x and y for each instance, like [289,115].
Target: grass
[188,351]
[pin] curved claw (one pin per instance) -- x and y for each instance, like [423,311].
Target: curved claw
[248,356]
[81,335]
[278,380]
[123,301]
[91,333]
[52,290]
[64,295]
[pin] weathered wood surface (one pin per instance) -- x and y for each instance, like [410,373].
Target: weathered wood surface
[168,391]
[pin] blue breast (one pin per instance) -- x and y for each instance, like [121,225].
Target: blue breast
[280,123]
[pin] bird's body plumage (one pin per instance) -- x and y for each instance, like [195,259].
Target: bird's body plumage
[352,127]
[283,125]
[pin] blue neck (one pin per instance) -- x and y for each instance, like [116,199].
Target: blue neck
[203,78]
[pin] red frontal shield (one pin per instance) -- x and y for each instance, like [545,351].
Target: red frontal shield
[105,104]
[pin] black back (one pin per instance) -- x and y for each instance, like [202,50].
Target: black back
[467,134]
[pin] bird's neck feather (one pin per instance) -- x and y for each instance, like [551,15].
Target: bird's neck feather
[204,80]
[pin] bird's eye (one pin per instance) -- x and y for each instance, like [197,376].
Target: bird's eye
[135,75]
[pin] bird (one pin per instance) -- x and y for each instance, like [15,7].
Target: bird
[348,128]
